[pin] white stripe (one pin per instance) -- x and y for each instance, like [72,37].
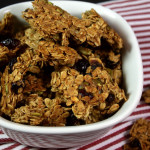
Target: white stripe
[145,45]
[145,51]
[120,144]
[142,108]
[19,147]
[137,17]
[147,39]
[146,69]
[141,28]
[6,145]
[135,117]
[133,12]
[146,82]
[146,63]
[126,3]
[132,7]
[3,136]
[139,22]
[138,35]
[146,76]
[145,57]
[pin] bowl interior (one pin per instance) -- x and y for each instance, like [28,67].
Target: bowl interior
[132,66]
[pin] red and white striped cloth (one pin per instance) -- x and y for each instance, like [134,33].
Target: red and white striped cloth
[137,14]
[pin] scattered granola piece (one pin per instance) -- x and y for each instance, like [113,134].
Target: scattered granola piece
[146,96]
[140,136]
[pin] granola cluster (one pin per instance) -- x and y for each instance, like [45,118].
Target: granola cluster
[59,70]
[140,136]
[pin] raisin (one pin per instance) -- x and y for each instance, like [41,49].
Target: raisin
[110,64]
[72,120]
[10,43]
[11,63]
[82,65]
[14,87]
[20,103]
[110,98]
[83,93]
[95,64]
[135,143]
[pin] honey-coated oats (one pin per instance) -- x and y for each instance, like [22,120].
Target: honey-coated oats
[59,70]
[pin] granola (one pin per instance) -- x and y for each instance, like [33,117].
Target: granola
[146,96]
[59,70]
[140,136]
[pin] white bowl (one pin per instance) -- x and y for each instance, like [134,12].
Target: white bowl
[62,137]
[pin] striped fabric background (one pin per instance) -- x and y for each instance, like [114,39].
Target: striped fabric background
[137,14]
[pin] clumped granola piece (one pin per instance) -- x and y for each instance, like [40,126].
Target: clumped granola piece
[56,114]
[51,21]
[140,136]
[146,96]
[32,113]
[56,54]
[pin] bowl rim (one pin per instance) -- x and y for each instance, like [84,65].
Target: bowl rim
[107,123]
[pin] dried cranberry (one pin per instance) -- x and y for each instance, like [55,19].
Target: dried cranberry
[135,143]
[11,63]
[82,65]
[110,98]
[10,43]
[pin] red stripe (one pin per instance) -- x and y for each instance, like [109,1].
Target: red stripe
[12,146]
[130,5]
[138,19]
[136,9]
[146,85]
[118,2]
[146,79]
[142,105]
[27,148]
[141,31]
[142,25]
[105,138]
[143,42]
[136,14]
[145,60]
[6,140]
[147,72]
[140,112]
[145,48]
[1,132]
